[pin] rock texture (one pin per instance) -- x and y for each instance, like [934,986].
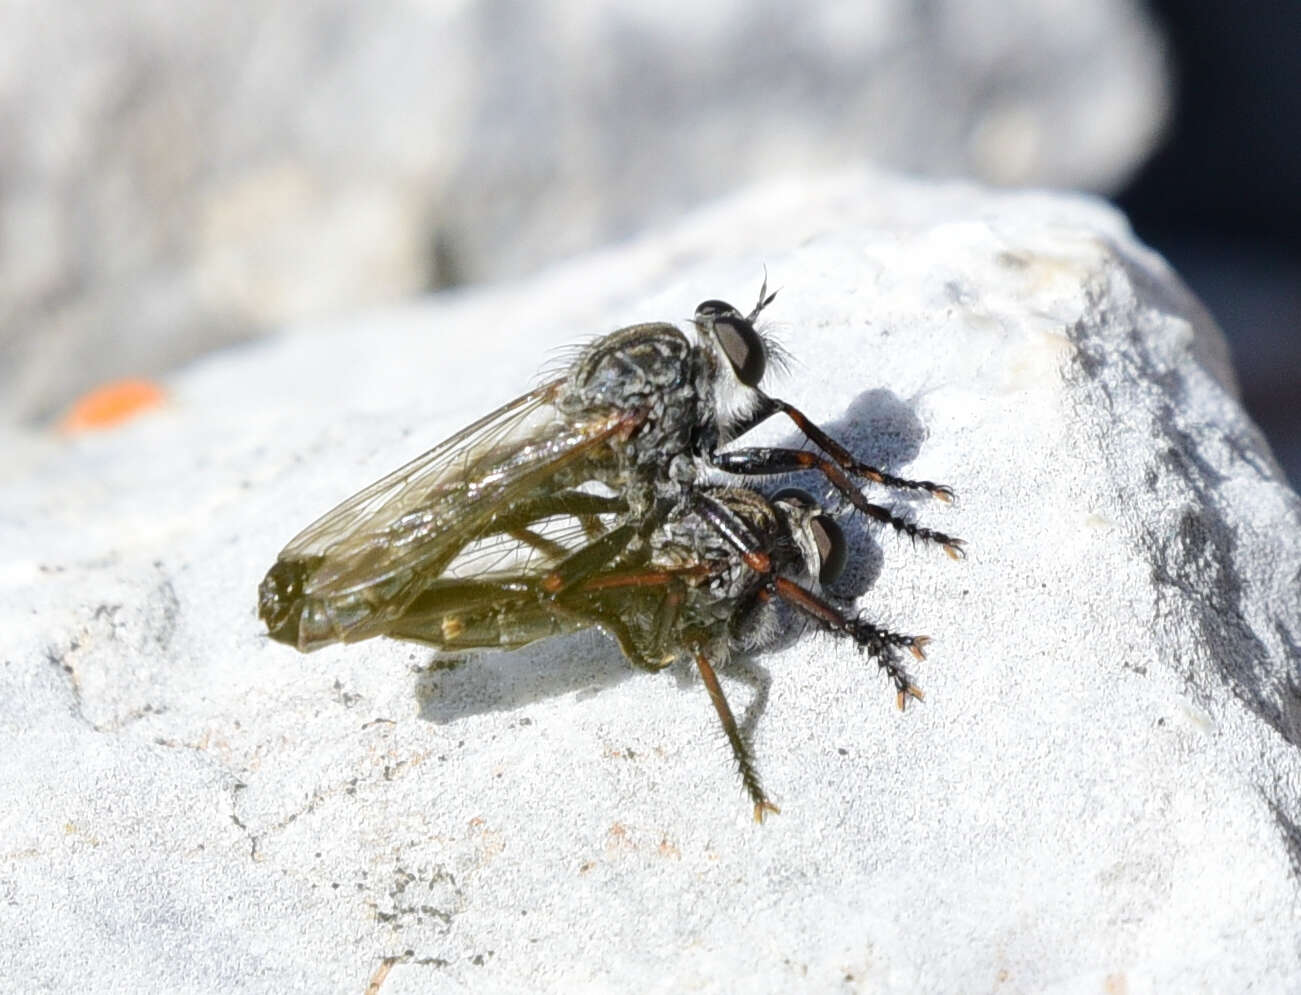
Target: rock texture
[177,177]
[1102,790]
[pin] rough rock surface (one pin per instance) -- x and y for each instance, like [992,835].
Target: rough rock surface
[176,177]
[1101,792]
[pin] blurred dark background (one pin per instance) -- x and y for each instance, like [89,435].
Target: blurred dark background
[1221,198]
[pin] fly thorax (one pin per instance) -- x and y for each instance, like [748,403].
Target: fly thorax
[682,472]
[682,542]
[650,370]
[627,369]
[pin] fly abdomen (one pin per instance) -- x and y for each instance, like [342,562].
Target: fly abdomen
[464,615]
[281,598]
[308,622]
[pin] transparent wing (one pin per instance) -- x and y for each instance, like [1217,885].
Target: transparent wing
[493,595]
[418,518]
[527,551]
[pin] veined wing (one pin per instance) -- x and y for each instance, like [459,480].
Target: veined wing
[526,550]
[418,518]
[502,607]
[500,573]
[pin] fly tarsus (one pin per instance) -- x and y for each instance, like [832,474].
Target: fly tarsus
[941,492]
[882,646]
[951,545]
[875,640]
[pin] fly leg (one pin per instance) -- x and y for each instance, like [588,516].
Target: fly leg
[662,648]
[663,592]
[739,535]
[582,612]
[769,406]
[625,543]
[518,520]
[741,752]
[766,461]
[504,613]
[589,559]
[579,504]
[879,644]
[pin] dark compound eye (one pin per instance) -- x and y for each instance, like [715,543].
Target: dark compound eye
[826,533]
[742,347]
[712,309]
[831,548]
[794,496]
[740,342]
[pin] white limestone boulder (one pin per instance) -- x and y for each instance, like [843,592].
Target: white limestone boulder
[1102,790]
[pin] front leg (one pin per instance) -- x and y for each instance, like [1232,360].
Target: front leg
[879,644]
[769,406]
[769,462]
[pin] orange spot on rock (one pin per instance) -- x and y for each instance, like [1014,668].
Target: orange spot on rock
[111,405]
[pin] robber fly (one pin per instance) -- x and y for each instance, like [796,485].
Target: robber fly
[636,420]
[713,578]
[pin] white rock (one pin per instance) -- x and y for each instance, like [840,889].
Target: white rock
[181,176]
[1101,790]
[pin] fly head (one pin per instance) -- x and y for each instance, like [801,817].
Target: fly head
[818,547]
[735,335]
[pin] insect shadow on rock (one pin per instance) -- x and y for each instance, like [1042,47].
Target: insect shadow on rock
[887,423]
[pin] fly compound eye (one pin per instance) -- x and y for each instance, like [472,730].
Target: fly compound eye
[794,497]
[709,310]
[831,548]
[742,347]
[736,335]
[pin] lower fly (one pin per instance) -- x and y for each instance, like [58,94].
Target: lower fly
[712,579]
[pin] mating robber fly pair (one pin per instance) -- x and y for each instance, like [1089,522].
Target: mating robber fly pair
[589,502]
